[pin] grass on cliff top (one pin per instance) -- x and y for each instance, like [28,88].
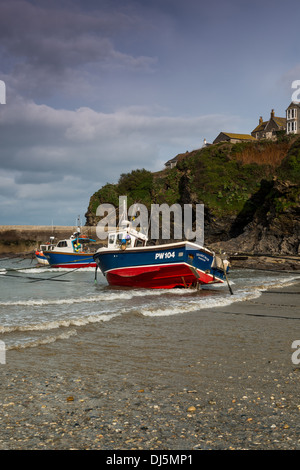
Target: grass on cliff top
[222,178]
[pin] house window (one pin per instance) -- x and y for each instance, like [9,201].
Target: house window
[292,113]
[292,126]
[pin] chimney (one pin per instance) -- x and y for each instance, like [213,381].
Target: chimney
[260,120]
[272,114]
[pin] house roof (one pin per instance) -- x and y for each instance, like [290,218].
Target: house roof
[260,126]
[280,121]
[175,159]
[238,136]
[293,104]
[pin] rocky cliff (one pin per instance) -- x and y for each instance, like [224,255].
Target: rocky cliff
[250,192]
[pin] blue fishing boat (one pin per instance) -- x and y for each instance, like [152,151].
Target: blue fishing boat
[71,252]
[129,262]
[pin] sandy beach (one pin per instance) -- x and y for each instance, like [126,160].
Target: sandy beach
[221,378]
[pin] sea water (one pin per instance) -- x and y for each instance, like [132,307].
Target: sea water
[40,304]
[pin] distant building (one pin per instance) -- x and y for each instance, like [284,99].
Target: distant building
[268,129]
[173,162]
[205,144]
[233,138]
[293,118]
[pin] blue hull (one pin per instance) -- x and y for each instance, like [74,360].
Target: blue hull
[70,260]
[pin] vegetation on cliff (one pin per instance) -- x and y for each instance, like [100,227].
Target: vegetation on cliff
[237,183]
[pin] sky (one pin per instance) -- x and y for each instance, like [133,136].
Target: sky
[98,88]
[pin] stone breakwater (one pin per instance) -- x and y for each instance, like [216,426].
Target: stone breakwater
[23,239]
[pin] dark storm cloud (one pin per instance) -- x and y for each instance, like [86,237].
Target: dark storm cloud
[44,47]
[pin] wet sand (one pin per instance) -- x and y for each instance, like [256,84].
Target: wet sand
[219,378]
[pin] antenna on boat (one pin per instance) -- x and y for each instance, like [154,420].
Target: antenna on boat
[78,223]
[122,209]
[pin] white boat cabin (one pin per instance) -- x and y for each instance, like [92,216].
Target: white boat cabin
[125,237]
[48,245]
[75,244]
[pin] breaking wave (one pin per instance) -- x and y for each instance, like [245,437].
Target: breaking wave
[105,296]
[41,341]
[51,325]
[213,302]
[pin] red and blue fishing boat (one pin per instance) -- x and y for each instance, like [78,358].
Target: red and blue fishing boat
[128,261]
[71,253]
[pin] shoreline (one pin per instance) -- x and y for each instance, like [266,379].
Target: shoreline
[219,378]
[23,240]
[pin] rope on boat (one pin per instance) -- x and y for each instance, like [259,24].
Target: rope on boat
[33,279]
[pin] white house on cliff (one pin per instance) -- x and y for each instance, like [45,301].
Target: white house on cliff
[293,118]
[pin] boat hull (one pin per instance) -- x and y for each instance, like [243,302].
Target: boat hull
[70,260]
[41,258]
[160,267]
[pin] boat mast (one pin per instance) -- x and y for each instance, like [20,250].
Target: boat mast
[122,209]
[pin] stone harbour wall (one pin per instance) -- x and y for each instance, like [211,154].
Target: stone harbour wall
[27,238]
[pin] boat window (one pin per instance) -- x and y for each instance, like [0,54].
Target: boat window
[62,243]
[139,242]
[111,239]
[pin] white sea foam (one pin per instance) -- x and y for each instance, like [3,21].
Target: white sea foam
[44,269]
[199,304]
[192,305]
[43,340]
[55,324]
[107,296]
[70,301]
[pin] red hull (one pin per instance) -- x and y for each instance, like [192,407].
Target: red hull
[159,277]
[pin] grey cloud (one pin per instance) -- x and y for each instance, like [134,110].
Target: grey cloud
[42,144]
[38,177]
[44,48]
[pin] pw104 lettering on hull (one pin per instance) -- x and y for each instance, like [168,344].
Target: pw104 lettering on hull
[128,261]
